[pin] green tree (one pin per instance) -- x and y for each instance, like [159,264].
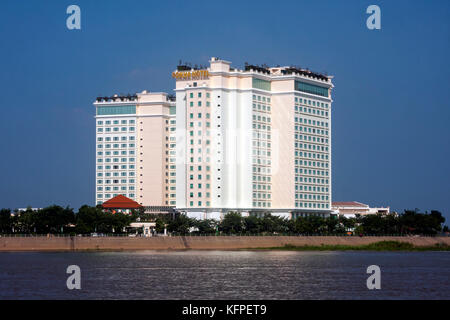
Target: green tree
[231,223]
[207,226]
[161,223]
[252,224]
[89,219]
[26,221]
[180,224]
[95,219]
[414,222]
[310,225]
[273,224]
[6,221]
[53,219]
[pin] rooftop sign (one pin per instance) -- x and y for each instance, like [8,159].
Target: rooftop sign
[190,75]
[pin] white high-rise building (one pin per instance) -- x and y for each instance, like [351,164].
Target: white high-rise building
[135,148]
[255,141]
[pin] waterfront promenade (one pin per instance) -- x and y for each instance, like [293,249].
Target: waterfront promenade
[55,243]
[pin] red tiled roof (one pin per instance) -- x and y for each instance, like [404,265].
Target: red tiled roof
[348,204]
[121,202]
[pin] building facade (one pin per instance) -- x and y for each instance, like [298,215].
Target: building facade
[351,209]
[135,148]
[255,141]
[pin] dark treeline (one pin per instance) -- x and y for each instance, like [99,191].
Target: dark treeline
[410,222]
[59,220]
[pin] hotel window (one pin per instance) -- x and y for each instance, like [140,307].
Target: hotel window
[199,94]
[191,95]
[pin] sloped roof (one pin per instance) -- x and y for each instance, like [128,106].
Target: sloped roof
[348,204]
[121,202]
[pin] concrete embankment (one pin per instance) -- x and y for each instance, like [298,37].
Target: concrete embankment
[194,243]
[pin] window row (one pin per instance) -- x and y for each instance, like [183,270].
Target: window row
[108,122]
[116,160]
[311,180]
[199,203]
[317,164]
[262,204]
[115,181]
[116,174]
[310,172]
[311,138]
[311,147]
[199,195]
[310,131]
[199,95]
[123,145]
[116,129]
[261,108]
[311,155]
[312,205]
[116,167]
[123,188]
[261,98]
[311,111]
[311,188]
[311,102]
[108,195]
[311,122]
[302,196]
[100,139]
[116,153]
[199,104]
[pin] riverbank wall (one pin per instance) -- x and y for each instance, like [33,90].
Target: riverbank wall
[195,242]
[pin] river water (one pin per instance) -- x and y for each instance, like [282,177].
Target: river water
[225,275]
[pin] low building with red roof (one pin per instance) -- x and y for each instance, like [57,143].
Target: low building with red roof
[122,204]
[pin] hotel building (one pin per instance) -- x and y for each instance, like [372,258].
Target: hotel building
[135,148]
[256,140]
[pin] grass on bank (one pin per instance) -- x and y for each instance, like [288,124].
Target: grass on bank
[376,246]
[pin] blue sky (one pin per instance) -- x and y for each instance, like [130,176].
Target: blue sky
[391,138]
